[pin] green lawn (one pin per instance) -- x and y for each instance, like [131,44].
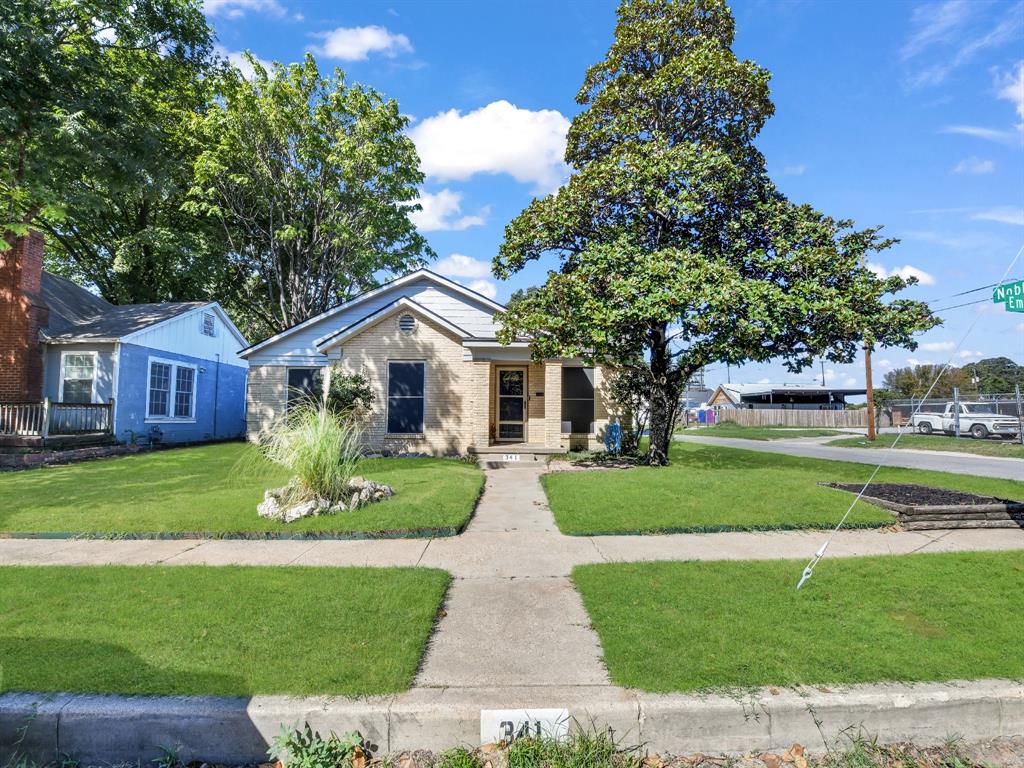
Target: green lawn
[1012,449]
[709,488]
[731,429]
[214,489]
[700,625]
[222,631]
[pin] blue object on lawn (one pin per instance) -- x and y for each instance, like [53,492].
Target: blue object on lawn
[613,438]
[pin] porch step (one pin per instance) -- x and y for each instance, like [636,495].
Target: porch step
[497,460]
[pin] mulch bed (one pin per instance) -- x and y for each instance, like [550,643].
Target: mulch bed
[920,495]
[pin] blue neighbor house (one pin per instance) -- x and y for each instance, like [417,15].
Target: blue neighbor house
[142,373]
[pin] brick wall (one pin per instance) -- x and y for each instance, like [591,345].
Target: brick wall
[454,387]
[22,315]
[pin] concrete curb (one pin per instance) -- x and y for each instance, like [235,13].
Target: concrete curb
[111,729]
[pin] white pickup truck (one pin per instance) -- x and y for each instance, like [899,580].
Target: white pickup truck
[980,420]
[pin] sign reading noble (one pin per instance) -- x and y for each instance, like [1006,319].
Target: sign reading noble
[1010,294]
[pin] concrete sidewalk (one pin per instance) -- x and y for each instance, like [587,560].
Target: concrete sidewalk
[936,461]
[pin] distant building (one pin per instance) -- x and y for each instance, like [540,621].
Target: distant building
[808,397]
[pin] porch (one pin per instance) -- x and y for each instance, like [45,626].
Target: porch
[533,408]
[48,422]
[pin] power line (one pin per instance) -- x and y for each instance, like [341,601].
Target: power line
[958,306]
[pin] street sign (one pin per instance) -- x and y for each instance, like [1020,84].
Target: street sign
[1011,295]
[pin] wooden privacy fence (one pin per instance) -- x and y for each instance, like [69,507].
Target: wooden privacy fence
[785,417]
[49,418]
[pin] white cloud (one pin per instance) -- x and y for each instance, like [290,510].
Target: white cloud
[468,271]
[917,361]
[485,287]
[1004,214]
[883,363]
[441,212]
[357,43]
[458,265]
[967,354]
[239,62]
[974,166]
[980,132]
[764,381]
[499,138]
[938,346]
[793,170]
[1010,86]
[906,272]
[234,9]
[955,34]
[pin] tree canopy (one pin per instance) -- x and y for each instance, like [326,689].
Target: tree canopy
[93,97]
[310,180]
[674,248]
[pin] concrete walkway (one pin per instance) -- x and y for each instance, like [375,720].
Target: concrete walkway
[937,461]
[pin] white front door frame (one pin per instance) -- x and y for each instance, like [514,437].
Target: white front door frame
[497,403]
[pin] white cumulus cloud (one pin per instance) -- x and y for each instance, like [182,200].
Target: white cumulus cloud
[528,145]
[441,211]
[357,43]
[485,287]
[883,363]
[938,346]
[468,271]
[1004,214]
[235,9]
[967,354]
[917,361]
[459,265]
[239,62]
[1010,86]
[906,272]
[974,166]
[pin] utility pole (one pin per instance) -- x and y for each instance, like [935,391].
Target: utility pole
[822,372]
[1020,415]
[867,381]
[956,410]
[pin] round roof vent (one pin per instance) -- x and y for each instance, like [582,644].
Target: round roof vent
[407,323]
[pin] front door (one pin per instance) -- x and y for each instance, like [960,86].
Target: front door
[512,404]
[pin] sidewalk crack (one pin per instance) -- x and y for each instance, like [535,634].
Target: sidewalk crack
[163,560]
[423,552]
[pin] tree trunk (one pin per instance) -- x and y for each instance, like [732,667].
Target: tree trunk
[664,397]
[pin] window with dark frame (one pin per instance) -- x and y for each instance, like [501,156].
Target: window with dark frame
[184,390]
[406,397]
[578,400]
[303,386]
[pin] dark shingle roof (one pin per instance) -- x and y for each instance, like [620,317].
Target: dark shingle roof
[77,314]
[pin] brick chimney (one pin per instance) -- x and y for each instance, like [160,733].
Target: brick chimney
[22,315]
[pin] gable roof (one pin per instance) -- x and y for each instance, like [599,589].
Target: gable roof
[79,315]
[337,337]
[419,274]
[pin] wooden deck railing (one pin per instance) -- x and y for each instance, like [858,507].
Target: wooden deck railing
[48,419]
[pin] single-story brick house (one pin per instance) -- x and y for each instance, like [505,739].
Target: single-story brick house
[442,382]
[74,366]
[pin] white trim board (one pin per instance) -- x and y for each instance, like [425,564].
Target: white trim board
[336,338]
[419,274]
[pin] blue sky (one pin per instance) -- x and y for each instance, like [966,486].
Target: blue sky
[908,114]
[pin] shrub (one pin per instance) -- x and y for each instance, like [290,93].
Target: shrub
[305,748]
[320,448]
[349,395]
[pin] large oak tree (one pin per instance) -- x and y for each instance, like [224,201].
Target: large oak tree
[674,249]
[94,99]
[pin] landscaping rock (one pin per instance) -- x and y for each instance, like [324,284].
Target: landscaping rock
[276,506]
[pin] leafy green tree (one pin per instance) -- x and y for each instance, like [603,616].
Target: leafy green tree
[93,98]
[674,247]
[310,179]
[915,381]
[996,375]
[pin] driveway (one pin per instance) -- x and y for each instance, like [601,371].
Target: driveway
[937,461]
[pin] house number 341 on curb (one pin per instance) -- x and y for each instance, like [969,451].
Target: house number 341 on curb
[507,725]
